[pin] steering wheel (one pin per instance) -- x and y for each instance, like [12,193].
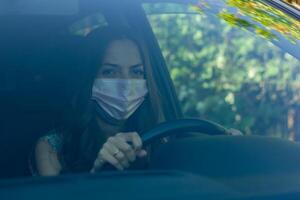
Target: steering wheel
[182,126]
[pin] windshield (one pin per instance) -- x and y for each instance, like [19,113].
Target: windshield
[232,62]
[41,7]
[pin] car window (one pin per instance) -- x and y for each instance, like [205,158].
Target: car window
[233,62]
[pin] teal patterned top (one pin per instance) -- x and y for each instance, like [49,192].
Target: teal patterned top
[54,139]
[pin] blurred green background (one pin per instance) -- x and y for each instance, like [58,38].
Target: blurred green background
[223,72]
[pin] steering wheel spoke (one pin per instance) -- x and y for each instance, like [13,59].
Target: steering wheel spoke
[183,126]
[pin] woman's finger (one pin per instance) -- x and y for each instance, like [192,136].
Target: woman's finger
[122,159]
[116,152]
[235,132]
[122,144]
[136,140]
[105,155]
[132,137]
[141,153]
[99,162]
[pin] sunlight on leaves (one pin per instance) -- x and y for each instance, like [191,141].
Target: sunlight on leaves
[268,16]
[255,14]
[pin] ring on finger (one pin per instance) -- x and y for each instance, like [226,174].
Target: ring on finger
[116,153]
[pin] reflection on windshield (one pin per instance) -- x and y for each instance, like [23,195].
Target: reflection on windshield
[295,3]
[236,21]
[256,16]
[88,24]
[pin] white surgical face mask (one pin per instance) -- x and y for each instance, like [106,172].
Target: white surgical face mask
[120,98]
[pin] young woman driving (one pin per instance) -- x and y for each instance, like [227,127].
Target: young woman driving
[118,100]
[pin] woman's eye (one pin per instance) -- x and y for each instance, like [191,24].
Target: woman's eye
[138,72]
[108,72]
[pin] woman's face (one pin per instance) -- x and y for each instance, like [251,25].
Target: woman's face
[122,60]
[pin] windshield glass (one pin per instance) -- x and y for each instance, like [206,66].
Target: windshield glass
[233,62]
[39,7]
[79,78]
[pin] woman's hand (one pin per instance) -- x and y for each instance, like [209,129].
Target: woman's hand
[235,132]
[119,152]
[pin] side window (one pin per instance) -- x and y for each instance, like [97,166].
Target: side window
[227,74]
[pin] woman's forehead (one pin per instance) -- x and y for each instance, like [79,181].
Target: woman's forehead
[122,52]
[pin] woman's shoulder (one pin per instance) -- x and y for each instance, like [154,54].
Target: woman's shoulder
[45,154]
[53,139]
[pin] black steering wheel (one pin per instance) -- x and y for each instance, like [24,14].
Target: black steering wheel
[183,126]
[179,127]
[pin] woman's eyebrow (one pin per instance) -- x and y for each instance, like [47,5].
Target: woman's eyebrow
[111,64]
[137,65]
[116,65]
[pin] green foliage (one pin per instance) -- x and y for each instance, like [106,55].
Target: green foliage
[229,75]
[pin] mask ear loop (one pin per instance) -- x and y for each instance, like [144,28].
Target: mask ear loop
[105,116]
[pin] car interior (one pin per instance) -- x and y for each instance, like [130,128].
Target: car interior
[39,50]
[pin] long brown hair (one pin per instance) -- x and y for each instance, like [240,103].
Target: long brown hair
[82,138]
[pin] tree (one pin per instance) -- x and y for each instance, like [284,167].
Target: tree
[227,74]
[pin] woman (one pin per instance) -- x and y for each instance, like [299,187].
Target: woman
[117,100]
